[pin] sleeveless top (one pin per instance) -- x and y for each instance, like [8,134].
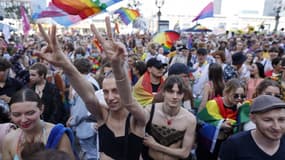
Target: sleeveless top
[162,134]
[21,141]
[127,147]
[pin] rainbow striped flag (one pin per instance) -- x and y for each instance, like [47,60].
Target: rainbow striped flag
[68,12]
[143,90]
[212,119]
[206,12]
[127,15]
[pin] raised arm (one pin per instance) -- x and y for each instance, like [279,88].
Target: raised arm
[116,53]
[54,55]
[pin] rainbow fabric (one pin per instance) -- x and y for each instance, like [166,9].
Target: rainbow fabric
[208,11]
[143,90]
[68,12]
[212,120]
[127,15]
[167,38]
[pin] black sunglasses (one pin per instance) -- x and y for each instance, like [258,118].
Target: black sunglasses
[273,94]
[241,96]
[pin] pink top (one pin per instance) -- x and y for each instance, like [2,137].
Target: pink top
[252,83]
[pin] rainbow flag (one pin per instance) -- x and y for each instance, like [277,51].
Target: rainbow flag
[68,12]
[211,120]
[208,11]
[127,15]
[243,115]
[143,90]
[212,117]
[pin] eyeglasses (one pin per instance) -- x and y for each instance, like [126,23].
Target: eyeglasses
[237,96]
[272,94]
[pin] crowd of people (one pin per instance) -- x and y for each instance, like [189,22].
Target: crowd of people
[124,97]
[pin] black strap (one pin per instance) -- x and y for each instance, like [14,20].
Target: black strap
[126,136]
[94,87]
[148,125]
[90,118]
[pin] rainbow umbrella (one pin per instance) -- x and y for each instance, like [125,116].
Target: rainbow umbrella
[166,38]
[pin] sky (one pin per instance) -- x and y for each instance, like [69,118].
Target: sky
[193,7]
[184,10]
[170,7]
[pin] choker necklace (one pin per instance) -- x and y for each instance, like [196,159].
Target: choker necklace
[168,118]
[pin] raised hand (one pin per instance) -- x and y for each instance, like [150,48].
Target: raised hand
[52,52]
[114,51]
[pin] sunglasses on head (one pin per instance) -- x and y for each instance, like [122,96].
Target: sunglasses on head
[272,94]
[241,96]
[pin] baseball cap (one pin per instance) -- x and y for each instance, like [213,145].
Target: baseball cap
[178,68]
[265,103]
[154,62]
[183,48]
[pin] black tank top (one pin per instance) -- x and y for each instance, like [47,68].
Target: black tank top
[127,147]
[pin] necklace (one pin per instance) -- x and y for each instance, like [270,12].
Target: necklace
[169,118]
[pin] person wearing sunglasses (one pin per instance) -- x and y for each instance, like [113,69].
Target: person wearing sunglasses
[267,140]
[150,82]
[221,113]
[265,87]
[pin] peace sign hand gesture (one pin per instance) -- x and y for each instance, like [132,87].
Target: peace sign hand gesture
[52,52]
[114,51]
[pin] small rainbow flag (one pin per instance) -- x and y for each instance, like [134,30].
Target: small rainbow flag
[67,12]
[127,15]
[208,11]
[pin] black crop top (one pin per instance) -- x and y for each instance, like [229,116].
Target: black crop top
[127,147]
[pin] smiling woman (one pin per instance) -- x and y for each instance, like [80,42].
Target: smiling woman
[25,110]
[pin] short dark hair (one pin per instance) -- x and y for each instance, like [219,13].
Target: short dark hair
[4,64]
[83,65]
[276,61]
[40,68]
[174,79]
[140,66]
